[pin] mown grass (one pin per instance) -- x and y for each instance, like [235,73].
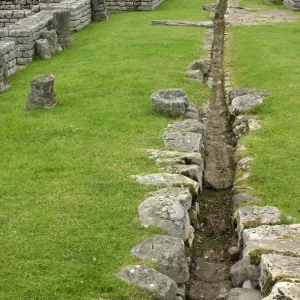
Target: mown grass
[268,57]
[68,211]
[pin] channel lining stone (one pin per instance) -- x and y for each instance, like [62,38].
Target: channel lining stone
[158,285]
[168,252]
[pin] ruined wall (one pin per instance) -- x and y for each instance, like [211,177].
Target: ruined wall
[7,51]
[131,5]
[293,4]
[17,4]
[8,17]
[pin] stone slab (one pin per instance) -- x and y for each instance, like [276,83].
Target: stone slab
[285,291]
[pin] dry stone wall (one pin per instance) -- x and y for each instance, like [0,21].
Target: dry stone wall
[8,17]
[7,51]
[17,4]
[131,5]
[294,4]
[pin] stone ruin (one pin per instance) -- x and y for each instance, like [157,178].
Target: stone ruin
[293,4]
[33,27]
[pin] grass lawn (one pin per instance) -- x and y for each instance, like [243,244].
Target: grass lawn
[268,57]
[68,208]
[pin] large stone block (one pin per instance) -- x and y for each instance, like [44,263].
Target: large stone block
[4,82]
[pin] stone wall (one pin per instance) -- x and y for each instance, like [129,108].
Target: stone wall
[7,51]
[8,17]
[17,4]
[80,11]
[131,5]
[25,32]
[293,4]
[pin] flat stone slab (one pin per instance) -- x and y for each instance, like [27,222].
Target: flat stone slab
[183,141]
[243,294]
[191,171]
[284,290]
[146,279]
[183,23]
[253,216]
[187,126]
[276,268]
[167,214]
[242,104]
[246,91]
[181,195]
[168,180]
[187,157]
[168,252]
[170,102]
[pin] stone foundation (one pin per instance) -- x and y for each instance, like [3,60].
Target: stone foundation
[131,5]
[80,12]
[7,51]
[25,32]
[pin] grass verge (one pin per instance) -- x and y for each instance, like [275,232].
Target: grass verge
[268,57]
[68,207]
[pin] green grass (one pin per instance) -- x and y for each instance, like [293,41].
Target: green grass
[68,207]
[268,57]
[263,4]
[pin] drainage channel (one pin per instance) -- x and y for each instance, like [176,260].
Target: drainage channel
[211,264]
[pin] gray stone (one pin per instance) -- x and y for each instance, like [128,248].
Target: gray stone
[187,126]
[181,195]
[247,285]
[191,171]
[285,291]
[243,294]
[188,157]
[210,7]
[183,141]
[234,253]
[242,271]
[156,284]
[163,162]
[276,268]
[4,82]
[61,21]
[191,115]
[52,38]
[99,12]
[168,180]
[207,24]
[242,92]
[242,104]
[170,102]
[41,93]
[167,214]
[253,216]
[195,74]
[199,65]
[43,48]
[168,252]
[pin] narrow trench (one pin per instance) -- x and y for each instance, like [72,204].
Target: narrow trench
[211,264]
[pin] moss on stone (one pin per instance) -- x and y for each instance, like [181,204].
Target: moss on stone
[251,224]
[255,255]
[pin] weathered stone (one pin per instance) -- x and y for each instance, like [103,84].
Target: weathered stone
[247,285]
[52,38]
[194,172]
[199,65]
[171,102]
[167,214]
[156,284]
[242,104]
[168,180]
[43,48]
[188,157]
[183,141]
[210,7]
[191,115]
[61,21]
[207,24]
[276,268]
[253,216]
[242,271]
[242,92]
[4,82]
[169,161]
[168,252]
[243,294]
[234,253]
[181,195]
[41,93]
[187,126]
[284,291]
[99,12]
[195,74]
